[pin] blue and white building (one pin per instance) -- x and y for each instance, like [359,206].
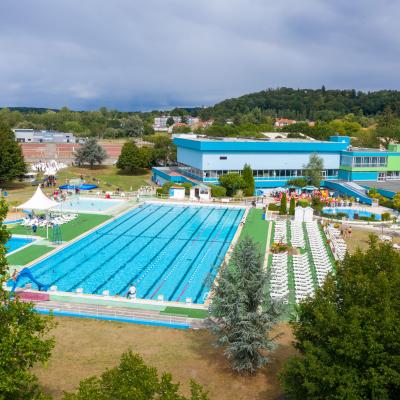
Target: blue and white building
[277,161]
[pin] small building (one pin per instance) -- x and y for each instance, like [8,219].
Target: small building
[200,192]
[281,122]
[44,136]
[176,192]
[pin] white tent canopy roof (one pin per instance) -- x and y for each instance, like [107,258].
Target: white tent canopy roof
[39,201]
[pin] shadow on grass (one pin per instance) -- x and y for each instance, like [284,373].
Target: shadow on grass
[204,347]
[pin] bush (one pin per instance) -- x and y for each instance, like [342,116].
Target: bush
[187,187]
[386,216]
[273,207]
[303,203]
[232,182]
[218,191]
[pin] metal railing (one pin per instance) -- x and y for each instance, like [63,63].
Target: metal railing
[113,312]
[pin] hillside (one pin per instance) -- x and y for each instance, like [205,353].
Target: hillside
[304,104]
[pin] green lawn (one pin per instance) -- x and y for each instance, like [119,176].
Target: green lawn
[191,313]
[256,228]
[70,230]
[109,177]
[29,254]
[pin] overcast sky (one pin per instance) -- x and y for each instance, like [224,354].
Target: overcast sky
[140,55]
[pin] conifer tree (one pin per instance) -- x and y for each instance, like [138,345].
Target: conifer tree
[248,179]
[242,316]
[283,206]
[292,206]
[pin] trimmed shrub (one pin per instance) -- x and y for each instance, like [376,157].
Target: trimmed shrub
[218,191]
[273,207]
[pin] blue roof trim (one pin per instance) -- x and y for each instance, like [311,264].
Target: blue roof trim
[261,146]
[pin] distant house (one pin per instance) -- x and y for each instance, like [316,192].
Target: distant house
[281,122]
[160,123]
[38,136]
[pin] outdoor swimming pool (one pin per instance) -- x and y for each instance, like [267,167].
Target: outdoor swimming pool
[14,243]
[87,204]
[168,250]
[350,212]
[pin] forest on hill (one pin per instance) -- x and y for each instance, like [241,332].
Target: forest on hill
[370,118]
[303,104]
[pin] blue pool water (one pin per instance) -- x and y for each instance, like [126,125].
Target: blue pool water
[169,250]
[86,204]
[350,212]
[14,243]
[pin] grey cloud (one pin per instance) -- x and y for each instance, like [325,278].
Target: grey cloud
[132,54]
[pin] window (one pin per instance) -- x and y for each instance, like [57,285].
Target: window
[223,157]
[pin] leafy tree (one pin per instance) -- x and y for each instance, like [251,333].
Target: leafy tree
[218,191]
[232,182]
[313,170]
[132,158]
[283,206]
[348,335]
[133,379]
[242,318]
[299,182]
[317,204]
[164,150]
[292,206]
[12,162]
[248,179]
[388,129]
[133,126]
[90,153]
[24,338]
[170,121]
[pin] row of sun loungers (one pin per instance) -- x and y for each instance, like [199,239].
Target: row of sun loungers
[297,234]
[279,289]
[53,220]
[280,233]
[338,245]
[304,285]
[319,253]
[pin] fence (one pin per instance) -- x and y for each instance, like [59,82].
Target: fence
[112,313]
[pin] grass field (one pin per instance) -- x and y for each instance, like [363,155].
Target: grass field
[108,176]
[87,347]
[70,230]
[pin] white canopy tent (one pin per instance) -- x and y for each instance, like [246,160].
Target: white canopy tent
[39,201]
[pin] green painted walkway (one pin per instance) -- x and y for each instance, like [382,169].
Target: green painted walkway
[256,228]
[70,230]
[27,255]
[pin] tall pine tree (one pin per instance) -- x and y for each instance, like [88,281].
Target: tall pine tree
[242,317]
[283,206]
[248,178]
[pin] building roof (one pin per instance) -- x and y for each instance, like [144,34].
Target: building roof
[203,143]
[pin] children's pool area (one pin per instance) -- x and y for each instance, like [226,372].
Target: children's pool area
[169,252]
[87,204]
[350,212]
[15,243]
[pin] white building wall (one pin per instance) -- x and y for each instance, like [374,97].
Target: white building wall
[190,157]
[236,161]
